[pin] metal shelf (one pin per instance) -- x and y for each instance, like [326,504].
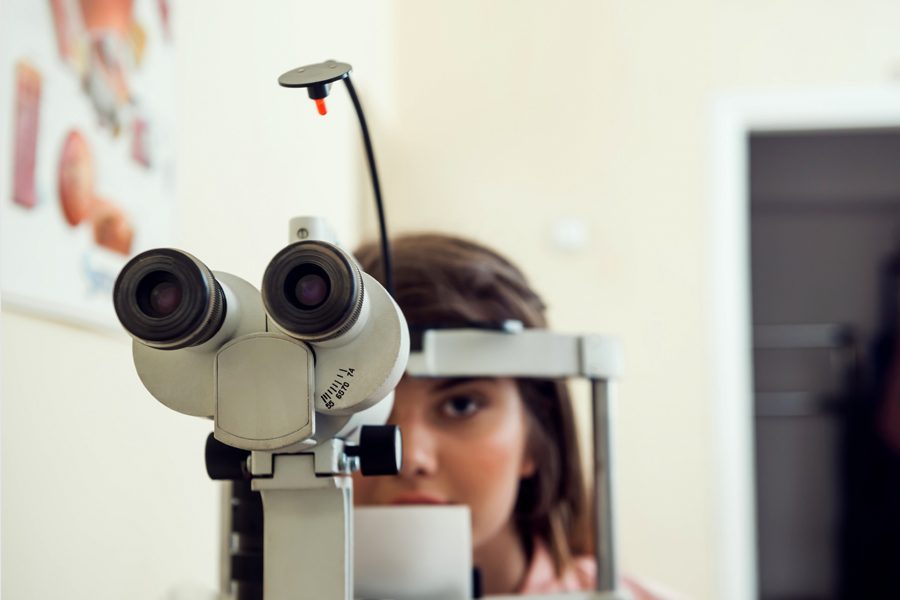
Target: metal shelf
[770,405]
[803,336]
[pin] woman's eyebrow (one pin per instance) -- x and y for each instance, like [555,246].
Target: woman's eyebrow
[445,384]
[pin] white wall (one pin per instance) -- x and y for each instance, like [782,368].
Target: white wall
[104,492]
[516,113]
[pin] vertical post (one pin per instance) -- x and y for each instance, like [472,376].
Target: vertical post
[308,533]
[225,533]
[604,525]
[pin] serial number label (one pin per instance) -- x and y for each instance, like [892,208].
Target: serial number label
[338,387]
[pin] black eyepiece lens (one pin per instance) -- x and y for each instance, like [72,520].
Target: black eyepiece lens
[307,286]
[312,290]
[165,297]
[159,294]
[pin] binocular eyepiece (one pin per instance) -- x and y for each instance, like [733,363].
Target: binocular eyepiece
[168,299]
[313,291]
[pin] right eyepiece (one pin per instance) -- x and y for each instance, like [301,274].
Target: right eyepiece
[313,290]
[167,299]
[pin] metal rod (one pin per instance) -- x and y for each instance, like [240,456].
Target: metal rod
[604,532]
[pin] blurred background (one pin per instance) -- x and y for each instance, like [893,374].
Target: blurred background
[715,183]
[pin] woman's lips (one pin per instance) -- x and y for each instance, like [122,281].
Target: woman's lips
[418,498]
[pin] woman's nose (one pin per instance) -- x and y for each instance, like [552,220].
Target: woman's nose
[419,450]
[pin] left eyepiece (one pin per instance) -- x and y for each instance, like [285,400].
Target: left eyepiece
[168,299]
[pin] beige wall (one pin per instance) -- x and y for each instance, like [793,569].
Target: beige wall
[492,119]
[514,114]
[104,492]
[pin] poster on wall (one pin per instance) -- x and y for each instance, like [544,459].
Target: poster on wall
[87,149]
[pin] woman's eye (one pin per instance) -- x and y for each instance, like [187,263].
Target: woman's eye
[460,406]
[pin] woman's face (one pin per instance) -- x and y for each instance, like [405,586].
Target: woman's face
[464,442]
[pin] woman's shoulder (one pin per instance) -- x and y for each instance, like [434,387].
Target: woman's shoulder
[541,578]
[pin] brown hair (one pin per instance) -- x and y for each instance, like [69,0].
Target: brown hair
[446,281]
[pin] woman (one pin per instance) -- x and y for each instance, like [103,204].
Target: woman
[505,447]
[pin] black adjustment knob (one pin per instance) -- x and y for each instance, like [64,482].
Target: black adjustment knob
[380,450]
[224,462]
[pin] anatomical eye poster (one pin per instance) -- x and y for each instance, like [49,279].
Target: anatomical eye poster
[87,141]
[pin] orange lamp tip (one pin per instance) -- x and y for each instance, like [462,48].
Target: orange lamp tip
[320,104]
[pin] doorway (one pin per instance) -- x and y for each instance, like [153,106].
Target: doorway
[738,122]
[824,251]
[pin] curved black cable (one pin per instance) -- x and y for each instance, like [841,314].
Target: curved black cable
[370,155]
